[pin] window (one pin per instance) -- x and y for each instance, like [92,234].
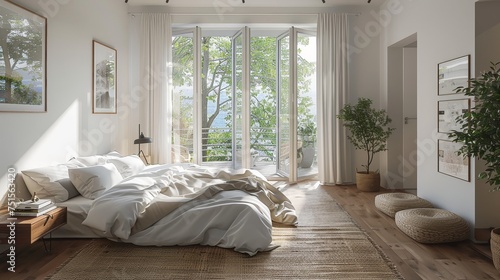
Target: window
[226,99]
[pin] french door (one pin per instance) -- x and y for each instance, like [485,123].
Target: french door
[234,139]
[291,148]
[191,101]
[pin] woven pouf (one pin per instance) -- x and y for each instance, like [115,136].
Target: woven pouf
[495,247]
[430,225]
[390,203]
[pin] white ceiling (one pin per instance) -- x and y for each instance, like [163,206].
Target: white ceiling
[253,3]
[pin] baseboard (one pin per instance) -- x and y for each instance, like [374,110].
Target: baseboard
[482,234]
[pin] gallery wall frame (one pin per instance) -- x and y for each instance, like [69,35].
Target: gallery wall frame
[450,162]
[104,79]
[23,68]
[448,111]
[452,74]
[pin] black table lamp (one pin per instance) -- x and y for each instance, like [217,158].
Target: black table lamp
[142,140]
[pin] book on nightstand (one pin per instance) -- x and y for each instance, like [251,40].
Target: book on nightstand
[30,204]
[34,212]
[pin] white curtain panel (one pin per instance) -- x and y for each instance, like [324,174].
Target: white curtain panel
[334,151]
[155,75]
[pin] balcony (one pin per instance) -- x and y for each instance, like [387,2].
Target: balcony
[217,149]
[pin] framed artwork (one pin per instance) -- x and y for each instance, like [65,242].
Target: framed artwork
[448,111]
[23,73]
[104,79]
[452,74]
[450,162]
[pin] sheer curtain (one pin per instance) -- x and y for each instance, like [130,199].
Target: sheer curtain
[155,74]
[334,151]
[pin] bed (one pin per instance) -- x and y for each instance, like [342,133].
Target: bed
[119,198]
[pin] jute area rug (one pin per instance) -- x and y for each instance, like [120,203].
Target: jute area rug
[327,244]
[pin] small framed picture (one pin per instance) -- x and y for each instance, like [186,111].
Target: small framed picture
[448,111]
[453,74]
[104,79]
[450,162]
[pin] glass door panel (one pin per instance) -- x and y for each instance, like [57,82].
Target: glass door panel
[306,103]
[237,101]
[263,104]
[216,101]
[241,146]
[284,156]
[183,93]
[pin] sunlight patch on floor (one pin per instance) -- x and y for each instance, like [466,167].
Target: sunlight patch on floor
[310,185]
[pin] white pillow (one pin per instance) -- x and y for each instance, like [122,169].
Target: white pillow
[98,159]
[92,181]
[92,160]
[51,182]
[128,165]
[114,154]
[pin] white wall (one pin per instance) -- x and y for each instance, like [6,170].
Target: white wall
[68,127]
[445,30]
[364,34]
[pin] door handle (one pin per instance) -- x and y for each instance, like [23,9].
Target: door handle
[408,118]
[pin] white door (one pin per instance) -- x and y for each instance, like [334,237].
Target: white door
[410,118]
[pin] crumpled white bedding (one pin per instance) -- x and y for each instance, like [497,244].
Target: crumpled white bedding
[187,204]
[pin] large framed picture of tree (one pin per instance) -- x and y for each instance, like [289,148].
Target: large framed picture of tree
[23,41]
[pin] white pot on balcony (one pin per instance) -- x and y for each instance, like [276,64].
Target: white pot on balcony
[307,157]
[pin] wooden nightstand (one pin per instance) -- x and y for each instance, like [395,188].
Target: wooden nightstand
[30,229]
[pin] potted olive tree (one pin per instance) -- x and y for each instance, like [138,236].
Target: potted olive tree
[480,134]
[369,130]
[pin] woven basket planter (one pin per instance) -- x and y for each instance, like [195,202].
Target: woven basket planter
[495,247]
[430,225]
[390,203]
[368,182]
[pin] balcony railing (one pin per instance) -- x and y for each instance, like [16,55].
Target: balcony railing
[218,144]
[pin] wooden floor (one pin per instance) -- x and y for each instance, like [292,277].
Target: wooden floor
[463,260]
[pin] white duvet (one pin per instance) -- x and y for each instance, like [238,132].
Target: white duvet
[187,204]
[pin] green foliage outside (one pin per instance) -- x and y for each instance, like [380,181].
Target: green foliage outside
[217,92]
[480,128]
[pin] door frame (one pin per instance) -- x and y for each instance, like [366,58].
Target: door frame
[245,103]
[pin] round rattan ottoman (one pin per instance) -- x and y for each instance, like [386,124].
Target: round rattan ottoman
[390,203]
[431,225]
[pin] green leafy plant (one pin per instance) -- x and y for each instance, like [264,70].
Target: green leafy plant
[369,128]
[307,131]
[480,128]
